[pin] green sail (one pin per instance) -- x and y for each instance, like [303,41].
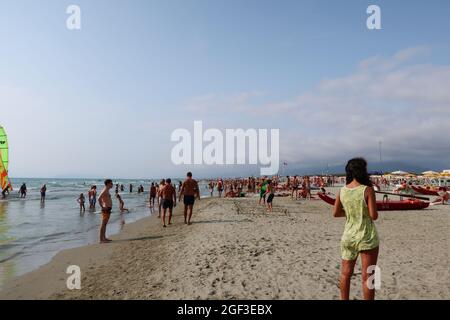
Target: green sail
[4,148]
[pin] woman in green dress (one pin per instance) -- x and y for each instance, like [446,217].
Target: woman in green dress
[357,203]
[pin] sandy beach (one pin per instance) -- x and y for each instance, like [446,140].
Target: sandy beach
[236,250]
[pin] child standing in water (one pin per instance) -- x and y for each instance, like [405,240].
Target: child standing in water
[81,201]
[356,202]
[121,203]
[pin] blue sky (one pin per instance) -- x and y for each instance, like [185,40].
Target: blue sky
[103,100]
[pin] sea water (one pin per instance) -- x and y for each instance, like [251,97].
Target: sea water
[31,233]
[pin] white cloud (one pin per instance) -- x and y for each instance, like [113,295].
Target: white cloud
[391,99]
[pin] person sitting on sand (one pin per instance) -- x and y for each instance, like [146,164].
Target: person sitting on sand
[169,200]
[271,194]
[121,203]
[81,201]
[443,197]
[356,202]
[105,202]
[189,191]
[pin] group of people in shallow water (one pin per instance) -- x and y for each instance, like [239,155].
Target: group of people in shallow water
[164,194]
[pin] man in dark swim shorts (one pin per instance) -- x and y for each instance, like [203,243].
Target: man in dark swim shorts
[105,202]
[190,191]
[169,200]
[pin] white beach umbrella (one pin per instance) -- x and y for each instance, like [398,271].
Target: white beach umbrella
[430,173]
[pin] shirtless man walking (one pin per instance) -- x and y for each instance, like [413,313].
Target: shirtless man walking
[169,200]
[190,191]
[105,202]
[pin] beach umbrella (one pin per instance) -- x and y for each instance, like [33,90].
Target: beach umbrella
[430,173]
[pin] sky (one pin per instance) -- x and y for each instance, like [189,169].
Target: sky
[103,101]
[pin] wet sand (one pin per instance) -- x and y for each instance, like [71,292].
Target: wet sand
[236,250]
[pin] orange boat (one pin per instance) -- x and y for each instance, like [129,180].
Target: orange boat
[424,191]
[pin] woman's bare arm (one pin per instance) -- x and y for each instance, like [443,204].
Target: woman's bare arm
[372,203]
[338,211]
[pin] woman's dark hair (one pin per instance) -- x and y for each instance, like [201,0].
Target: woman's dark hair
[357,169]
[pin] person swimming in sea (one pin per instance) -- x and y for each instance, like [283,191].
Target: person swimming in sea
[356,202]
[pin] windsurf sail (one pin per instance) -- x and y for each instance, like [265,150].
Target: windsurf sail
[4,159]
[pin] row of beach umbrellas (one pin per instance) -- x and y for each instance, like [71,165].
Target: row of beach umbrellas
[433,174]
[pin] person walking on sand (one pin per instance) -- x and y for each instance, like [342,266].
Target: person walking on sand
[159,195]
[169,200]
[271,194]
[152,195]
[295,184]
[262,191]
[43,191]
[189,191]
[220,187]
[211,188]
[356,202]
[105,202]
[307,187]
[81,201]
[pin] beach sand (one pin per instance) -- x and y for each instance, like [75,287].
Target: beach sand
[236,250]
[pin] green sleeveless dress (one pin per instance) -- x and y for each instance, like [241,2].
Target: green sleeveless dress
[360,233]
